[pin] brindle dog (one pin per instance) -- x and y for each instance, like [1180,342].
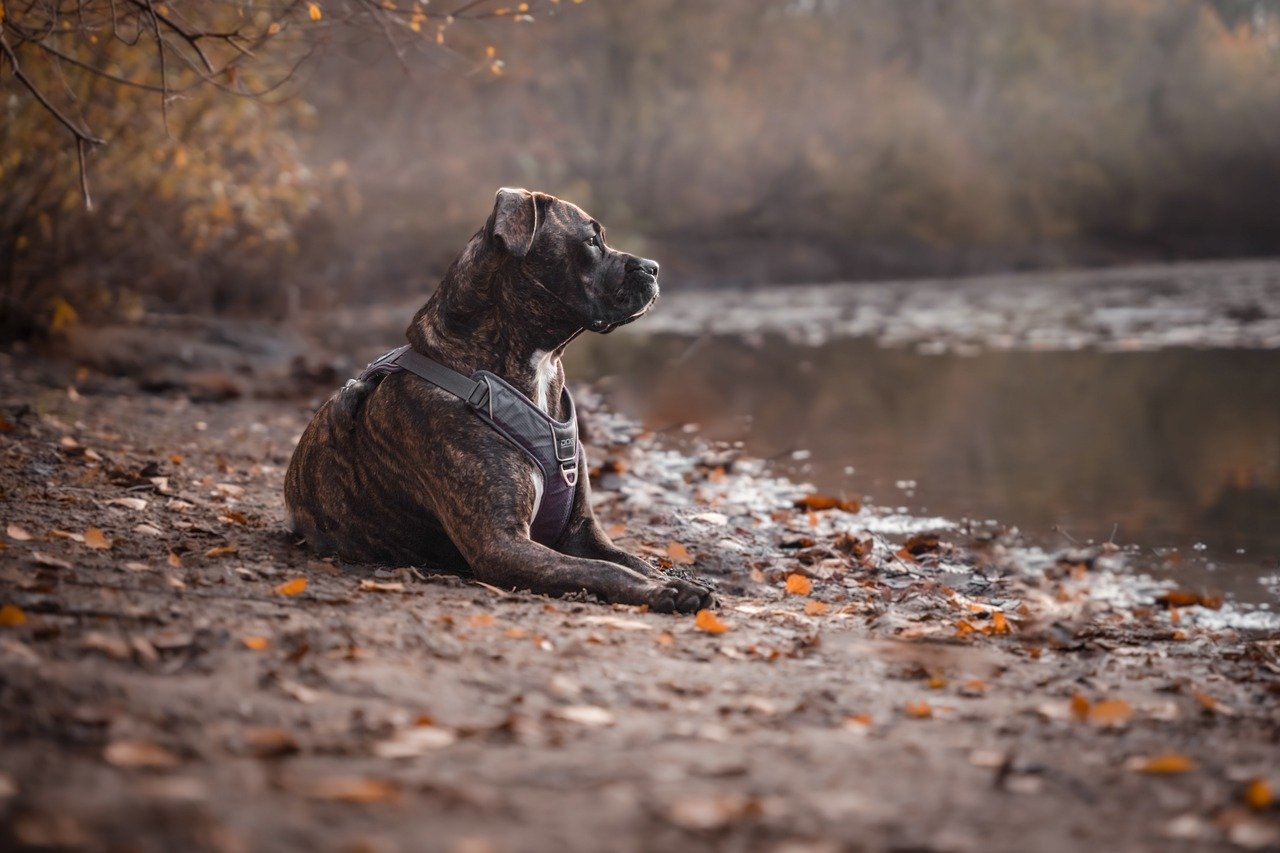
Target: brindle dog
[404,473]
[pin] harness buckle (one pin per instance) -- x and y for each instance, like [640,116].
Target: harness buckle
[569,470]
[478,396]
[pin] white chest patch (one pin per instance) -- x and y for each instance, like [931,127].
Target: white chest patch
[544,370]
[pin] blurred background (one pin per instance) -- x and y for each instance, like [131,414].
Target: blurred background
[749,146]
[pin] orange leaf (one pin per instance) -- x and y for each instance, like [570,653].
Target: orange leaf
[709,622]
[222,551]
[12,616]
[616,530]
[482,620]
[313,10]
[918,710]
[96,539]
[1079,707]
[937,682]
[1110,712]
[964,628]
[823,502]
[666,638]
[679,554]
[17,534]
[292,587]
[798,585]
[258,644]
[815,608]
[999,624]
[174,560]
[1166,764]
[1258,795]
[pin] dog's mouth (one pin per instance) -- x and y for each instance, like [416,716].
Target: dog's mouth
[644,309]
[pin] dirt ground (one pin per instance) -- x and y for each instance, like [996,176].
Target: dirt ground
[176,673]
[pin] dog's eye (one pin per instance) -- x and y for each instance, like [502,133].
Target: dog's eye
[594,242]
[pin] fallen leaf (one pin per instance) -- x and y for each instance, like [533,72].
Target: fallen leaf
[269,741]
[614,531]
[921,543]
[1110,713]
[482,620]
[136,504]
[1168,763]
[370,585]
[666,638]
[138,754]
[1188,598]
[50,561]
[411,743]
[292,587]
[12,616]
[222,551]
[679,554]
[96,539]
[174,560]
[964,628]
[585,715]
[1080,707]
[1258,795]
[354,789]
[816,608]
[825,502]
[918,710]
[17,534]
[860,720]
[257,644]
[230,515]
[798,585]
[706,620]
[999,624]
[96,641]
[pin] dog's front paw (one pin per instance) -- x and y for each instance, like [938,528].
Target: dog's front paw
[676,595]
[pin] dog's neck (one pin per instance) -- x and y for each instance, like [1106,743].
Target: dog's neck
[469,324]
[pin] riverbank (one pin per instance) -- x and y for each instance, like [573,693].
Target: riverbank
[177,673]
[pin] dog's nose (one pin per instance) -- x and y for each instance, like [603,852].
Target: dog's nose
[651,267]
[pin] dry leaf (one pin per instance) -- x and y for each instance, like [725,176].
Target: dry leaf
[269,741]
[96,539]
[257,644]
[816,608]
[369,585]
[707,620]
[50,561]
[586,715]
[354,789]
[222,551]
[12,616]
[798,585]
[1258,795]
[136,754]
[115,647]
[999,624]
[614,531]
[1168,763]
[679,554]
[823,502]
[230,515]
[136,504]
[17,534]
[292,587]
[1079,707]
[414,742]
[1110,712]
[313,11]
[174,560]
[482,620]
[666,638]
[918,710]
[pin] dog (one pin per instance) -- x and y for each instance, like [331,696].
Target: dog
[395,469]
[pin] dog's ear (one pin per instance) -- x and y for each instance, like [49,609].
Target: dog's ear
[515,220]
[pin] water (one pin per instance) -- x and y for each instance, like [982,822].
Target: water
[1175,451]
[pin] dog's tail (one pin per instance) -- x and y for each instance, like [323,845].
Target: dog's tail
[348,400]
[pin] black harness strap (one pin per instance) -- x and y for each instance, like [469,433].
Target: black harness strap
[552,445]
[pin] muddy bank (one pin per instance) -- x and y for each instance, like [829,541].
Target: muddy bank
[177,674]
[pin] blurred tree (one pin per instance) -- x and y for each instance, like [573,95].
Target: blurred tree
[178,118]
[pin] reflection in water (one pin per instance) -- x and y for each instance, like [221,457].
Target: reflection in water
[1169,448]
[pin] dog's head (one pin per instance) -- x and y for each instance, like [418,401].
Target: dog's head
[561,250]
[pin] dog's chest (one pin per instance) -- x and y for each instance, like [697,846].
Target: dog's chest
[544,371]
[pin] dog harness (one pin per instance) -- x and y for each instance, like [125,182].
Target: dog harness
[551,444]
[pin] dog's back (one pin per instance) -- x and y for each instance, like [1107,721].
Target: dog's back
[333,493]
